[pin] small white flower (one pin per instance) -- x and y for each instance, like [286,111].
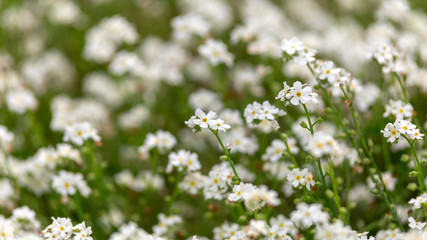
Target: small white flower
[292,45]
[204,120]
[219,125]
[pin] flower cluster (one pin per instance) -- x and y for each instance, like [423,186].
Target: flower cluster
[161,141]
[253,197]
[67,183]
[300,178]
[307,215]
[275,151]
[63,229]
[390,59]
[297,94]
[183,159]
[294,49]
[201,120]
[259,114]
[401,128]
[216,52]
[398,109]
[79,132]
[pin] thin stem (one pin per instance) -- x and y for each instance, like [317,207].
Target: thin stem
[308,119]
[335,189]
[362,138]
[175,191]
[402,87]
[95,167]
[382,191]
[347,189]
[417,164]
[325,187]
[287,147]
[227,154]
[154,162]
[79,206]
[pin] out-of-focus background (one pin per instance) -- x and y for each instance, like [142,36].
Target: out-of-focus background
[128,68]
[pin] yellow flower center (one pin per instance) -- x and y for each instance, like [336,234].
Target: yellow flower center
[204,120]
[298,178]
[216,54]
[298,94]
[393,132]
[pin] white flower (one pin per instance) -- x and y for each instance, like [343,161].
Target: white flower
[297,177]
[266,111]
[240,191]
[307,215]
[416,225]
[204,120]
[398,109]
[219,125]
[283,92]
[298,94]
[183,159]
[162,140]
[21,100]
[67,183]
[391,133]
[274,151]
[327,70]
[216,52]
[291,46]
[401,128]
[61,227]
[418,201]
[79,132]
[185,26]
[81,232]
[305,56]
[6,138]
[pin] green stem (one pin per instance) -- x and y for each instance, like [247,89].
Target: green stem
[335,189]
[95,167]
[227,154]
[175,192]
[402,87]
[79,206]
[282,136]
[154,162]
[382,191]
[347,189]
[417,164]
[325,187]
[308,119]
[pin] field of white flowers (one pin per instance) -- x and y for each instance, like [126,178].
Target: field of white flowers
[213,119]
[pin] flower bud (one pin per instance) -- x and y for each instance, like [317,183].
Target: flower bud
[303,124]
[329,194]
[339,180]
[405,158]
[412,186]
